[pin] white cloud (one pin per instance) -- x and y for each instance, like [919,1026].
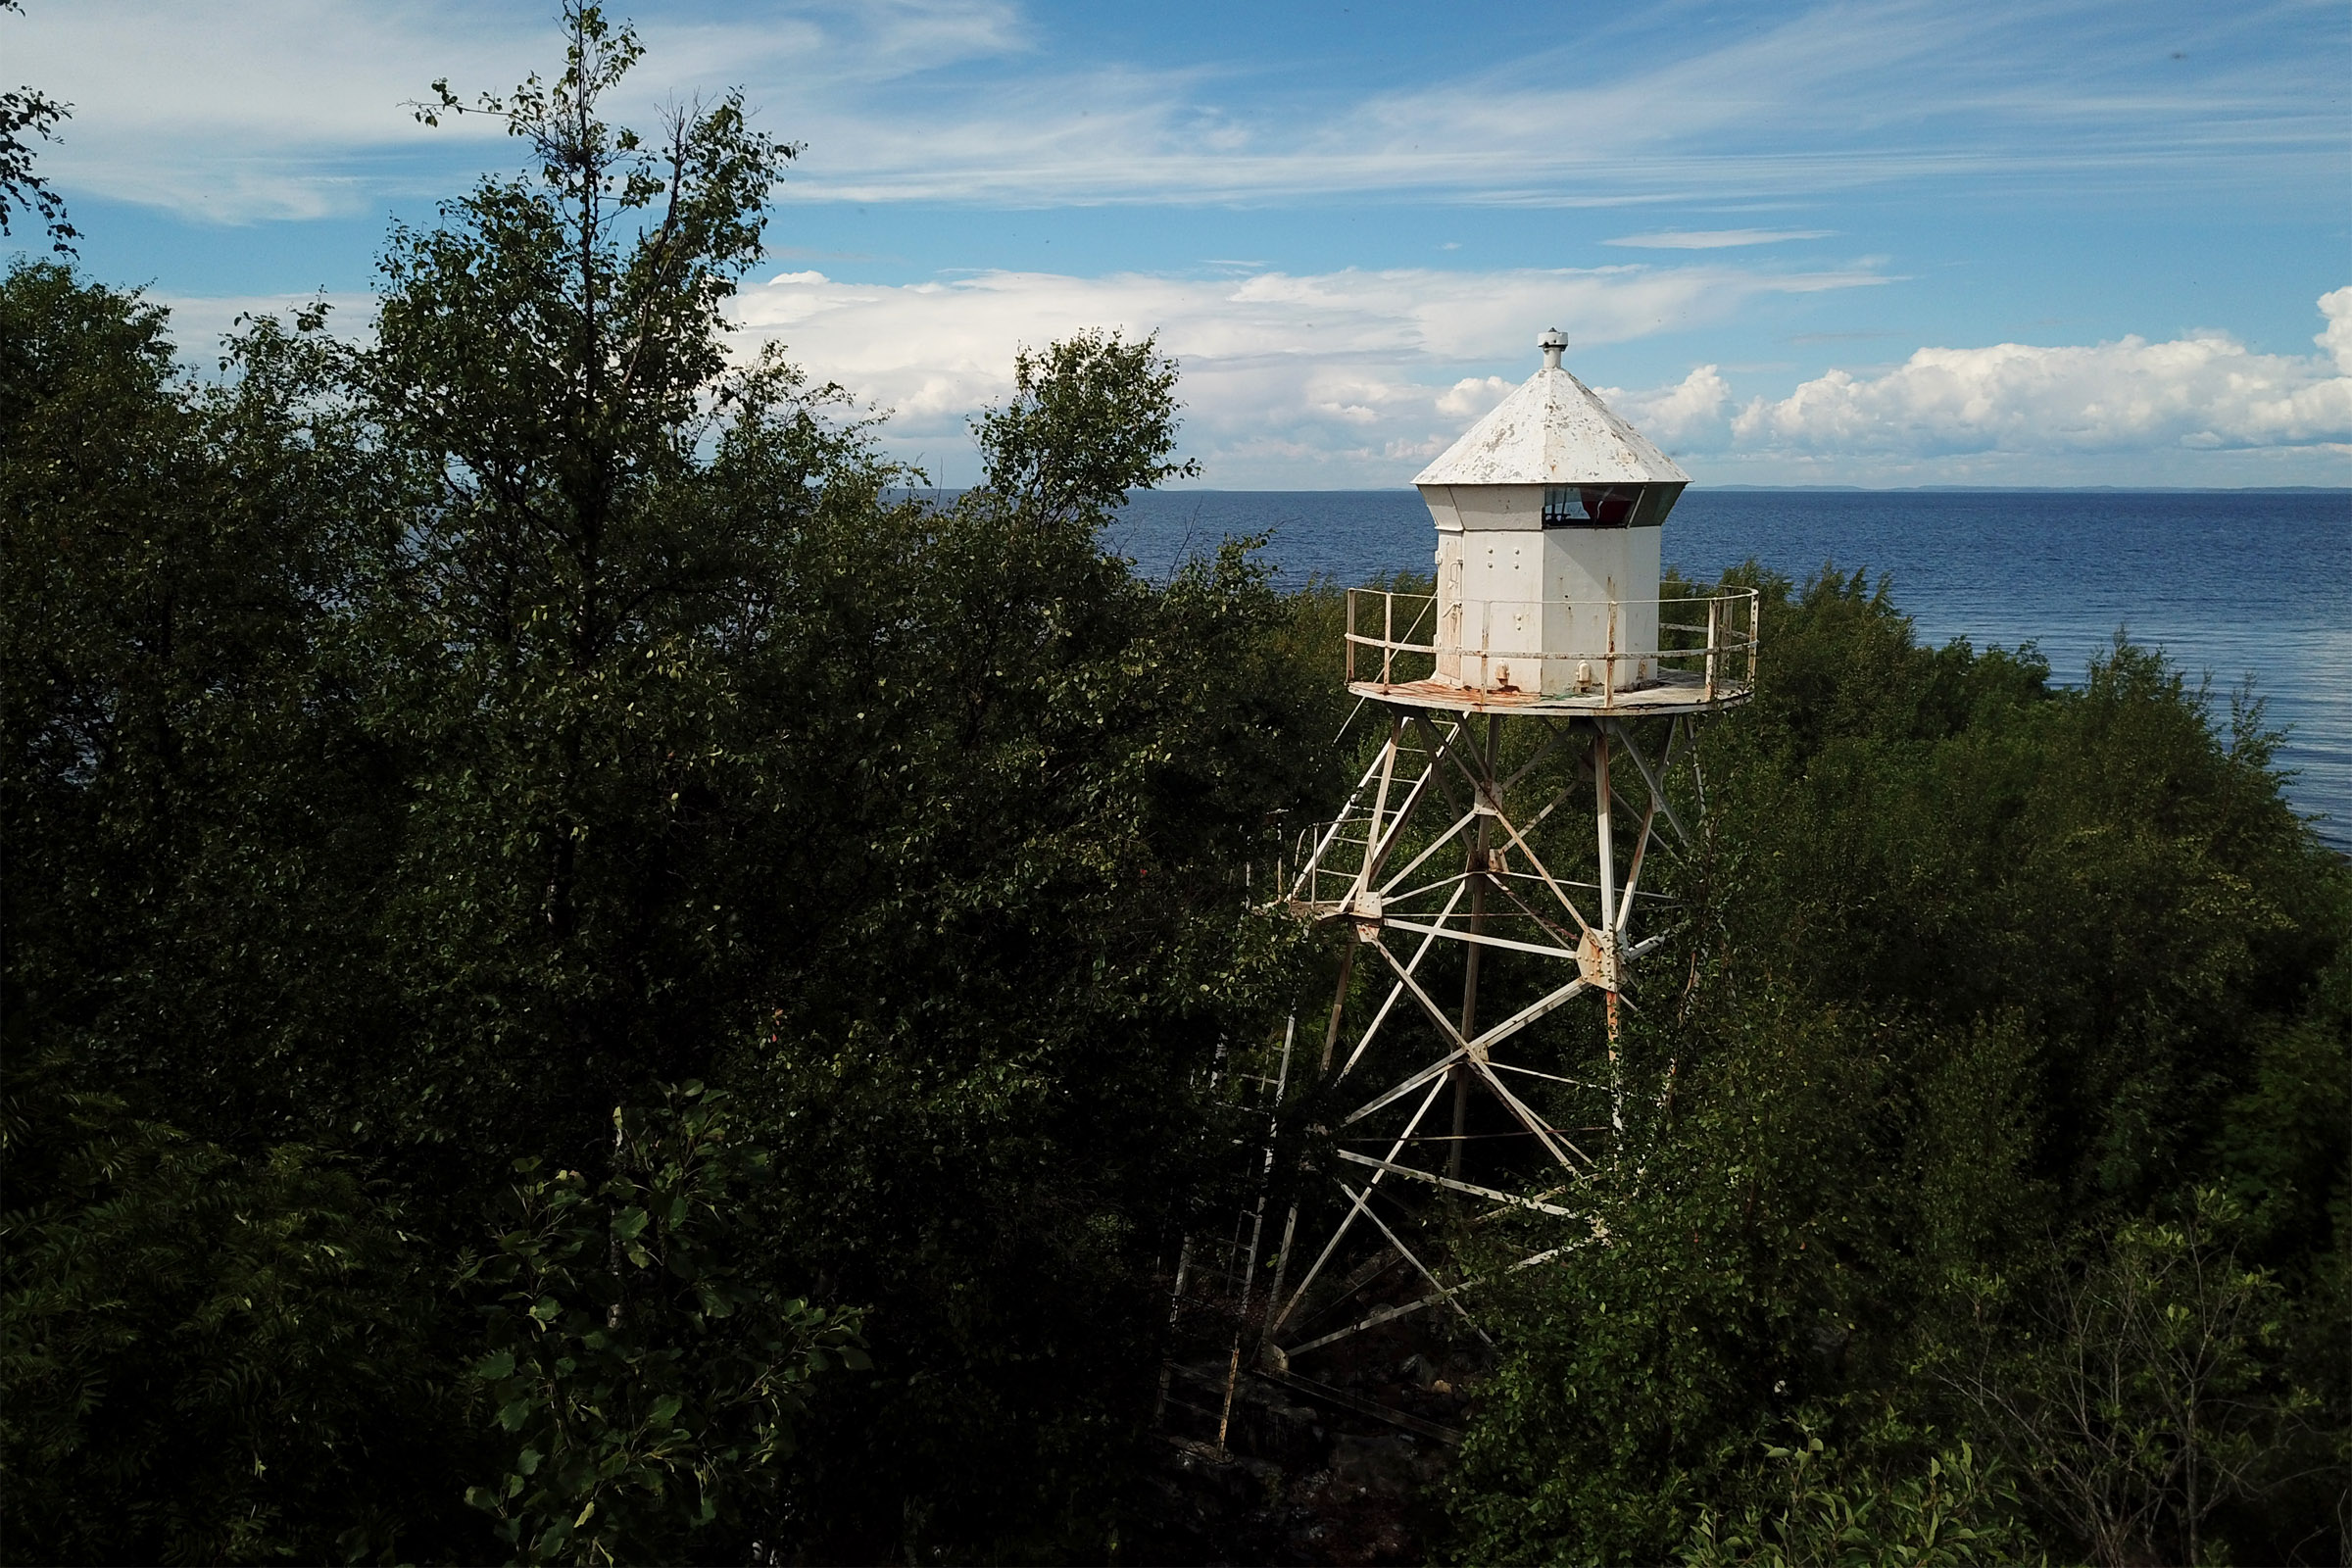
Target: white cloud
[296,109]
[2204,391]
[2336,336]
[1473,395]
[1336,377]
[1353,377]
[1833,97]
[199,321]
[1349,379]
[1715,239]
[292,108]
[1692,413]
[246,112]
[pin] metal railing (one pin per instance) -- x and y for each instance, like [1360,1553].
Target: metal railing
[1330,857]
[1706,644]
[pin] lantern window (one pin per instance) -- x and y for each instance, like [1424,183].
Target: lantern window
[1596,506]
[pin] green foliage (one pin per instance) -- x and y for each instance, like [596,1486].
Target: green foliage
[575,605]
[28,112]
[1092,417]
[1639,1375]
[1030,803]
[421,749]
[645,1370]
[210,1358]
[190,802]
[1960,1512]
[2140,1386]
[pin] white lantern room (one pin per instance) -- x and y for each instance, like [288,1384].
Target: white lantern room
[1549,512]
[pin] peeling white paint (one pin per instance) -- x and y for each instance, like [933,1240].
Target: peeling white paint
[1552,430]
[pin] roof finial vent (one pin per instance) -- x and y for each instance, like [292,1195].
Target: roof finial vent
[1554,343]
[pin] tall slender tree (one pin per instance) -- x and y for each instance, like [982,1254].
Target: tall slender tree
[568,596]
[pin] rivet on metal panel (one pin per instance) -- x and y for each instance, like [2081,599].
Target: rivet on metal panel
[1597,958]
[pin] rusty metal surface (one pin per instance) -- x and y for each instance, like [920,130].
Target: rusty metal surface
[1665,698]
[1616,656]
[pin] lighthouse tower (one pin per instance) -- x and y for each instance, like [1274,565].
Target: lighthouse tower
[1507,850]
[1549,512]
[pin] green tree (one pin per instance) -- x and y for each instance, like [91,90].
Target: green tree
[1816,1510]
[427,749]
[1091,419]
[2139,1384]
[192,812]
[211,1359]
[1031,798]
[649,1370]
[572,613]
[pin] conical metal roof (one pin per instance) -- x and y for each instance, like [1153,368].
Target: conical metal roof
[1552,430]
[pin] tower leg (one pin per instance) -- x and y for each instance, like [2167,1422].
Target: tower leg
[1461,1121]
[1607,848]
[1338,1006]
[1478,924]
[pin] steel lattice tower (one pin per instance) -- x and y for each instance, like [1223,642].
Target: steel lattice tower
[1547,676]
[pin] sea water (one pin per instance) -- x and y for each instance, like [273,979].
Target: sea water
[2238,586]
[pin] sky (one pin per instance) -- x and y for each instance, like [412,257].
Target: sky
[1853,243]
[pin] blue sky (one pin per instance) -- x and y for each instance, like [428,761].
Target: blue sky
[1853,243]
